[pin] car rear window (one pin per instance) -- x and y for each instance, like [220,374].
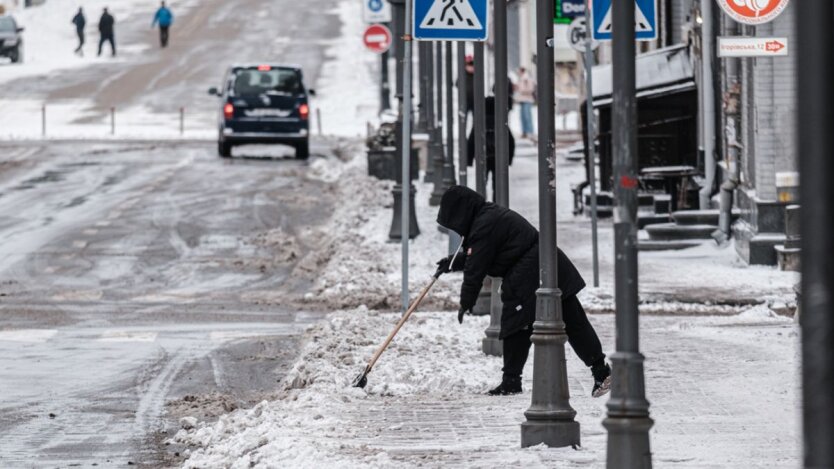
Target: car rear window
[6,24]
[273,81]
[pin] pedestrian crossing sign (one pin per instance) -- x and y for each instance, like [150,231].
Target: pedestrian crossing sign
[645,20]
[451,20]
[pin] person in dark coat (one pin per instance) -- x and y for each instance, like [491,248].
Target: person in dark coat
[80,23]
[107,31]
[489,108]
[500,243]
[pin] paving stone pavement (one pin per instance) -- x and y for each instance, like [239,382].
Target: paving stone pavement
[723,393]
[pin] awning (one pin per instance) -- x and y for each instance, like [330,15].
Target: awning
[659,72]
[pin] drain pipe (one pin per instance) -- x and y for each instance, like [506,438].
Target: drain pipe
[725,218]
[707,101]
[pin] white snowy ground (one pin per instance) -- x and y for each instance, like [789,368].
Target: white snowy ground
[713,405]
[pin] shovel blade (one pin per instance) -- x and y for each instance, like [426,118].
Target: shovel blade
[361,381]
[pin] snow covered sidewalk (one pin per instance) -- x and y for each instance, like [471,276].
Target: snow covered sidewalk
[723,394]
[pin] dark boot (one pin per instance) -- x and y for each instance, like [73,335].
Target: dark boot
[602,379]
[508,387]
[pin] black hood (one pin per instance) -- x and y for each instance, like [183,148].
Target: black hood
[458,209]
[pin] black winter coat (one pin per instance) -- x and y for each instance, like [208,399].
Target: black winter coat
[500,243]
[105,24]
[79,21]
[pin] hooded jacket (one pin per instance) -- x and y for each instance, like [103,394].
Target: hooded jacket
[500,243]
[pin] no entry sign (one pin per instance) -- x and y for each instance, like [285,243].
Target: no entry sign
[753,11]
[377,38]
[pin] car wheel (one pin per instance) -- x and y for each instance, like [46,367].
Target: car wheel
[224,149]
[302,150]
[17,55]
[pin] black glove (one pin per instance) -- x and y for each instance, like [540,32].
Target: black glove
[465,306]
[461,313]
[444,266]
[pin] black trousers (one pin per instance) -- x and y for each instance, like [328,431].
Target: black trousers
[80,33]
[163,35]
[581,336]
[111,39]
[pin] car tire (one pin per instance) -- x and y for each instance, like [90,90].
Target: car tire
[224,149]
[16,55]
[302,150]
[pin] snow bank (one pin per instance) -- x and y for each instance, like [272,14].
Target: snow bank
[306,428]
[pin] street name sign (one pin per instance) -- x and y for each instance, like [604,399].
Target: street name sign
[752,46]
[376,11]
[753,11]
[568,10]
[451,20]
[645,20]
[377,38]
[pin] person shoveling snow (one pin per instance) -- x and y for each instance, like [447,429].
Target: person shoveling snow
[500,243]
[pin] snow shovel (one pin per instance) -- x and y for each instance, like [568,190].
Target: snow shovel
[362,380]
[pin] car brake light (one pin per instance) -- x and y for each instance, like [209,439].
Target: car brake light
[228,111]
[264,68]
[304,110]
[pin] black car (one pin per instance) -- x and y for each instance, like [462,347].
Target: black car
[11,41]
[264,104]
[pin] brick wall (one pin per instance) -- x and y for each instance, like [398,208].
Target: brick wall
[774,113]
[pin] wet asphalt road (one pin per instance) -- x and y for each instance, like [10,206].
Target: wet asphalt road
[138,284]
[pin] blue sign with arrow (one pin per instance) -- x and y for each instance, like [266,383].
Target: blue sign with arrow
[451,20]
[645,20]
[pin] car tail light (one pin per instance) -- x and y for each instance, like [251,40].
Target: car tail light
[228,111]
[304,110]
[264,68]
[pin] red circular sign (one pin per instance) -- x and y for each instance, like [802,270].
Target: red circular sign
[377,38]
[753,11]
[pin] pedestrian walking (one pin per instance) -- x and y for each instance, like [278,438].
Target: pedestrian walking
[525,96]
[489,109]
[106,30]
[80,23]
[500,243]
[164,18]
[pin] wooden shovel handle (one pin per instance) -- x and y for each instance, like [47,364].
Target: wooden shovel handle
[402,321]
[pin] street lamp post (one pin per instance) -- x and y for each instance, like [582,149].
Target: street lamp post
[550,419]
[815,141]
[427,76]
[628,421]
[463,177]
[439,156]
[479,130]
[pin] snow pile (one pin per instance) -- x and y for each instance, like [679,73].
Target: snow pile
[307,427]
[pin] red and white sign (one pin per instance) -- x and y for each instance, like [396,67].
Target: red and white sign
[377,38]
[753,11]
[752,46]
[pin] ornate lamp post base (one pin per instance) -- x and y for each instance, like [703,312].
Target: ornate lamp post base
[491,345]
[553,433]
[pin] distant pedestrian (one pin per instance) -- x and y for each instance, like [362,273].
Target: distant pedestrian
[489,110]
[164,18]
[80,23]
[106,31]
[525,96]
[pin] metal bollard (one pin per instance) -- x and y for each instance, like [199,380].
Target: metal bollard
[43,120]
[318,120]
[182,121]
[112,121]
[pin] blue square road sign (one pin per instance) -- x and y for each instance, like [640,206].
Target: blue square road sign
[645,20]
[451,20]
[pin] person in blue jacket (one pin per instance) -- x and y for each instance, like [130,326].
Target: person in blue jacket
[164,18]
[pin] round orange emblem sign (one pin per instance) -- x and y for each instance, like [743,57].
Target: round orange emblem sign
[753,11]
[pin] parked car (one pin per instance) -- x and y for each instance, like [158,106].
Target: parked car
[11,39]
[264,104]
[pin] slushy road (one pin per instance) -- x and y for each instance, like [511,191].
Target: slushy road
[132,277]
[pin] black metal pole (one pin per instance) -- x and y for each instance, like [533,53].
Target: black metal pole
[463,177]
[479,113]
[628,421]
[385,84]
[422,119]
[449,163]
[816,140]
[431,119]
[440,154]
[502,137]
[403,136]
[550,418]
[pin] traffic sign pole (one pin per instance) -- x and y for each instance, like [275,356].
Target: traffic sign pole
[591,149]
[502,138]
[463,177]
